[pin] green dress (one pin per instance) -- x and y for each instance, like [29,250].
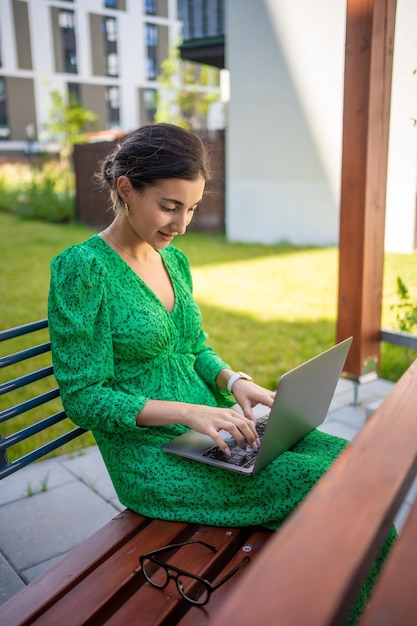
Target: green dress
[115,346]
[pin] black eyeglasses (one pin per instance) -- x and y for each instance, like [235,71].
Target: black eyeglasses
[193,588]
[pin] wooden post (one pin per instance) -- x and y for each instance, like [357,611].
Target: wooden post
[367,95]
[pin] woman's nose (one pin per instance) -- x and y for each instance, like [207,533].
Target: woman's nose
[181,221]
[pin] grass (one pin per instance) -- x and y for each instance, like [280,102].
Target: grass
[266,308]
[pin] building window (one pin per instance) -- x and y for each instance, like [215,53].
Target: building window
[151,35]
[66,20]
[151,45]
[110,29]
[110,46]
[150,7]
[201,19]
[69,48]
[113,107]
[149,101]
[4,122]
[120,5]
[74,94]
[151,65]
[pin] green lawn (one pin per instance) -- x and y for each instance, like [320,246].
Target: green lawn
[265,308]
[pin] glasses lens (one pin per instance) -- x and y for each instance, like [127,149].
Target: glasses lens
[156,574]
[192,589]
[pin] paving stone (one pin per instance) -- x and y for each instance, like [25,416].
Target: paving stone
[32,479]
[31,573]
[51,523]
[332,427]
[10,582]
[89,467]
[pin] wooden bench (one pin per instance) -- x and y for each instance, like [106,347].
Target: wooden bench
[309,573]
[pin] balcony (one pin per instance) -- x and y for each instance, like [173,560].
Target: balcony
[203,31]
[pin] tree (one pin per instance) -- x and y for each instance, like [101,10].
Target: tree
[187,90]
[68,121]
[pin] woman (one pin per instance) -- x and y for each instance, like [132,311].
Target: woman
[131,358]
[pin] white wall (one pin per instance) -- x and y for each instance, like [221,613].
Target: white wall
[286,60]
[400,225]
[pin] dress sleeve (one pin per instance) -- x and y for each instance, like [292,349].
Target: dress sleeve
[81,339]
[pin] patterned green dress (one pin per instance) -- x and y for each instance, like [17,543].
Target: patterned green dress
[114,347]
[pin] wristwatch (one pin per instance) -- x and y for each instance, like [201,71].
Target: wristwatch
[236,377]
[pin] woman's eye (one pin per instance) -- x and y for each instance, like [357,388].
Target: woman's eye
[192,209]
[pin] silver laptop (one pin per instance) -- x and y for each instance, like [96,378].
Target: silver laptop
[301,404]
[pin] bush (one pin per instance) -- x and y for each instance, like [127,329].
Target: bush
[406,309]
[43,193]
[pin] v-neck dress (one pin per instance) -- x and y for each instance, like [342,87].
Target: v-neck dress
[115,346]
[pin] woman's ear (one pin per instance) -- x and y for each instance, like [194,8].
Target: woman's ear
[124,188]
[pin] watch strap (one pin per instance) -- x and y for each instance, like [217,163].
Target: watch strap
[236,377]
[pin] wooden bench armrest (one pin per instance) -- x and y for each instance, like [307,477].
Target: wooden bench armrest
[315,565]
[395,597]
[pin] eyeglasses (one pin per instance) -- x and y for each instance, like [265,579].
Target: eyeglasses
[193,588]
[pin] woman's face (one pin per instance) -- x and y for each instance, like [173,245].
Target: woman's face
[164,210]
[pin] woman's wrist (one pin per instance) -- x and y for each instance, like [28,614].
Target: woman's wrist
[238,376]
[223,377]
[227,378]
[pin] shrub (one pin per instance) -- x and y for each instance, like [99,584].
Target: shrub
[406,309]
[42,193]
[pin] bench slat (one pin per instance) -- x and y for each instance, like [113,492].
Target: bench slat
[33,429]
[28,405]
[28,353]
[317,562]
[24,329]
[40,452]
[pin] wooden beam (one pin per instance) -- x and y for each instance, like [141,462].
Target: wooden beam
[367,95]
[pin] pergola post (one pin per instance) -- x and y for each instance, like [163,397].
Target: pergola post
[367,95]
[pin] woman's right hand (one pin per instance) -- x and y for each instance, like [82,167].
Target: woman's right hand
[207,420]
[210,420]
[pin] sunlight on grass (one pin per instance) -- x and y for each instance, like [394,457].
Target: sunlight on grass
[287,287]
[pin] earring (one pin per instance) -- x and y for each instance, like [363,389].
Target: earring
[126,209]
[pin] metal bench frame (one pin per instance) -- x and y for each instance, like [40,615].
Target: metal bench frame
[7,467]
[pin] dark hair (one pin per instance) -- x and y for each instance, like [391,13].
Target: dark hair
[153,153]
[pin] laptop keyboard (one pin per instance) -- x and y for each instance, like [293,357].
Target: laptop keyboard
[239,456]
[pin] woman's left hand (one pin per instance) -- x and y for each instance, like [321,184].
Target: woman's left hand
[248,394]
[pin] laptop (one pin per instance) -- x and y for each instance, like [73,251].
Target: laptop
[301,404]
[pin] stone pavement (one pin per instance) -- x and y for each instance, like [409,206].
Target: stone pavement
[48,508]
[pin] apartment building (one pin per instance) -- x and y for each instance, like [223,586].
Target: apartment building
[106,52]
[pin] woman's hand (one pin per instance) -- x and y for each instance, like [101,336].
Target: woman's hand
[248,394]
[208,420]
